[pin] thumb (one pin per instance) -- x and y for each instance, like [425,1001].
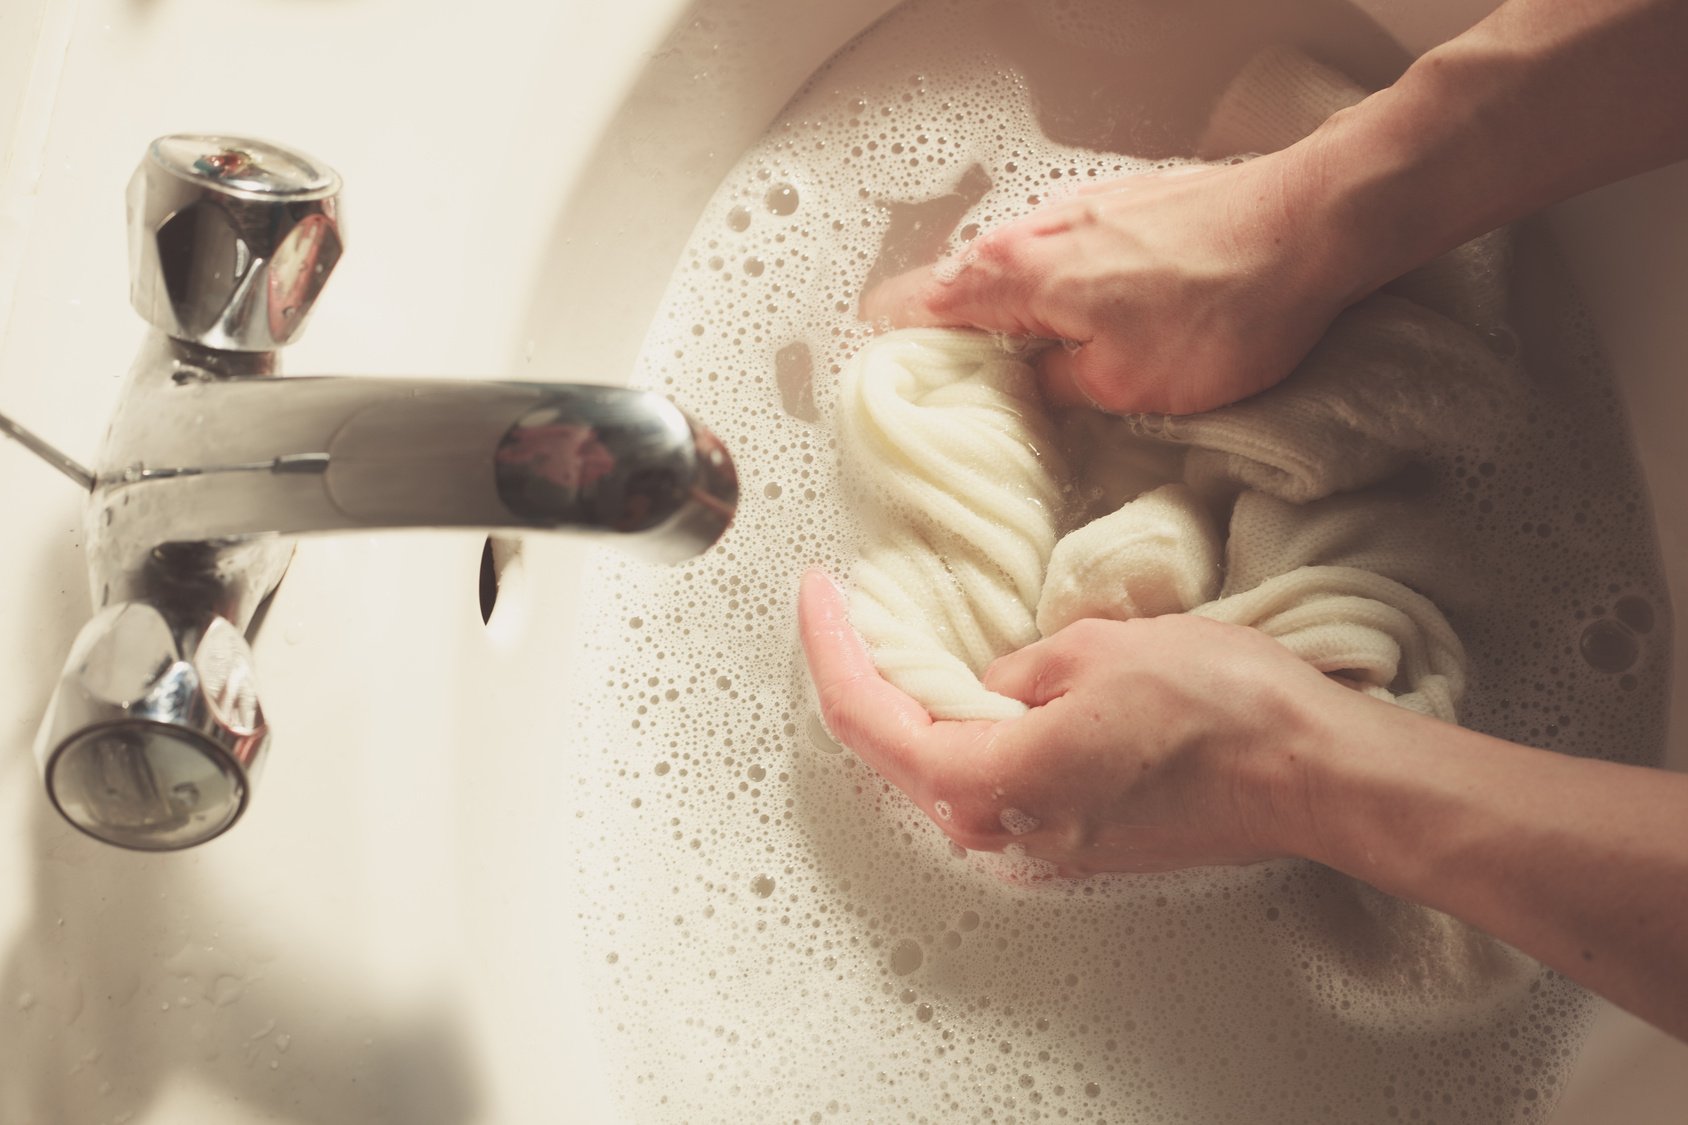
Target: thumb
[908,300]
[1098,375]
[1034,675]
[993,284]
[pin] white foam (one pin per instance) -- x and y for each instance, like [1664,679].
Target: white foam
[784,937]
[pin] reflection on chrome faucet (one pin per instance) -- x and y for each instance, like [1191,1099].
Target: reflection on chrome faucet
[155,734]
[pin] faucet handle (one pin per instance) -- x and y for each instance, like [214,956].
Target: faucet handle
[230,239]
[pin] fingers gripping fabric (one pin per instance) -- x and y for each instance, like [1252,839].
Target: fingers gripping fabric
[947,438]
[956,453]
[1341,583]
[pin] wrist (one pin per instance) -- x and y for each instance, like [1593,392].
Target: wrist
[1292,769]
[1419,167]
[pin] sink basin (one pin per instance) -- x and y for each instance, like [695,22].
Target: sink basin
[417,922]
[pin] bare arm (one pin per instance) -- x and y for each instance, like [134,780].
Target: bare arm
[1188,291]
[1175,741]
[1581,864]
[1541,100]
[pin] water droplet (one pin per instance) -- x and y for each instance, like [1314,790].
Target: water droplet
[753,267]
[772,491]
[762,886]
[738,218]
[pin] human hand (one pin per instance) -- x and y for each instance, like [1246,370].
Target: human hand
[1153,744]
[1175,291]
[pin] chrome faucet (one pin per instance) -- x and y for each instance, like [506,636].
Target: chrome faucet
[155,735]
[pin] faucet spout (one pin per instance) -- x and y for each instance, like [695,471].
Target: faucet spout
[210,446]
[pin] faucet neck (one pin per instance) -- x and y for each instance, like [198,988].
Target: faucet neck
[185,361]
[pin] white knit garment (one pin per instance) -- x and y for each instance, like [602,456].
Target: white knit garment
[1336,582]
[966,492]
[1389,379]
[947,435]
[1158,554]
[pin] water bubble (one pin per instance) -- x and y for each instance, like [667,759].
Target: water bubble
[1501,339]
[753,267]
[943,809]
[1017,822]
[819,738]
[781,199]
[762,886]
[1608,646]
[906,956]
[738,218]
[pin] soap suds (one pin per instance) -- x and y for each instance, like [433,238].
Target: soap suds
[886,975]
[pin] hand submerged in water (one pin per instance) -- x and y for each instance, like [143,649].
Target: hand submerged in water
[1176,291]
[1150,745]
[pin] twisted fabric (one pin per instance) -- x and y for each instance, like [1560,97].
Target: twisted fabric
[945,433]
[965,492]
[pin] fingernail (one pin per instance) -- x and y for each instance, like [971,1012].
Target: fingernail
[816,576]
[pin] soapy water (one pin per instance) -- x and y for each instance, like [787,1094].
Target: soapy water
[781,936]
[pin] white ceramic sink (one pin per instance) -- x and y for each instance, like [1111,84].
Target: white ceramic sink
[390,934]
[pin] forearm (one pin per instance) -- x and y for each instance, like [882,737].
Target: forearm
[1581,864]
[1541,100]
